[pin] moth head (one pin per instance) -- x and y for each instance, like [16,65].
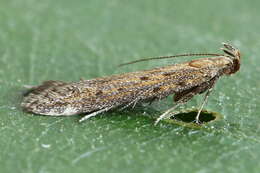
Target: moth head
[234,54]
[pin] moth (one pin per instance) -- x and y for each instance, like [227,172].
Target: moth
[95,96]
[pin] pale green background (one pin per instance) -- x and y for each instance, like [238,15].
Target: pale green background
[67,40]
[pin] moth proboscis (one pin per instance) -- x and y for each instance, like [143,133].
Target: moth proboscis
[94,96]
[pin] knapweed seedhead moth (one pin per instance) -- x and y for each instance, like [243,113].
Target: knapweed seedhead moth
[184,80]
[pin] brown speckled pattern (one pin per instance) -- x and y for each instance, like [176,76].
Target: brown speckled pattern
[184,80]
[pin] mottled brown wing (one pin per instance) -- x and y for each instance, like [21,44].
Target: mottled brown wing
[147,85]
[57,98]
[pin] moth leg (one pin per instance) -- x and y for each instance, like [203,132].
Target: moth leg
[167,114]
[134,102]
[130,103]
[202,105]
[179,98]
[95,113]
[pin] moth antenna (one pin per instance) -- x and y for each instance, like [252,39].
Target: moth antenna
[170,56]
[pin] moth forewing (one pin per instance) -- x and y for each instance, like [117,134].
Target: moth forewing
[95,96]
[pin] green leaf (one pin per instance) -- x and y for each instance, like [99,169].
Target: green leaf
[68,40]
